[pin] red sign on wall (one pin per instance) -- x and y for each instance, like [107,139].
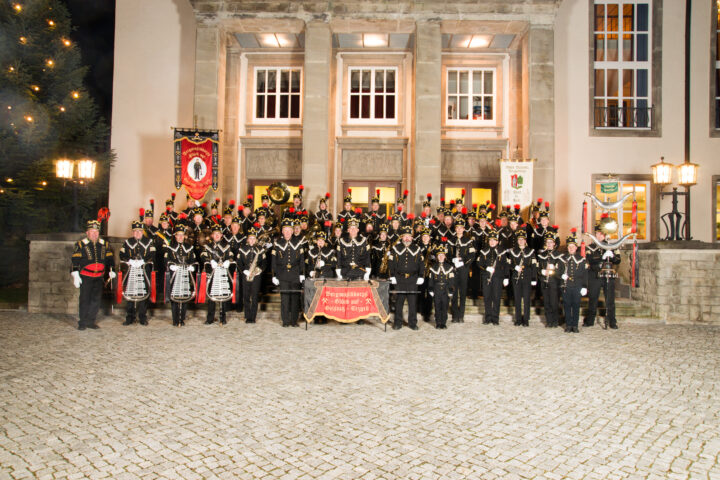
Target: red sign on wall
[196,162]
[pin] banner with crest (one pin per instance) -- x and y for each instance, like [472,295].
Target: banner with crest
[196,160]
[516,180]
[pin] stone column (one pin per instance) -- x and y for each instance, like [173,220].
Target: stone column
[428,106]
[209,100]
[229,165]
[316,112]
[541,109]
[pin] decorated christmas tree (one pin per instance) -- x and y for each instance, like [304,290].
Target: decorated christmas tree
[45,115]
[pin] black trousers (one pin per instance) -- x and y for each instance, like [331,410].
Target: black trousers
[475,281]
[607,285]
[492,294]
[521,295]
[251,296]
[461,286]
[571,305]
[550,302]
[179,311]
[289,302]
[406,285]
[90,297]
[425,302]
[139,308]
[211,310]
[441,299]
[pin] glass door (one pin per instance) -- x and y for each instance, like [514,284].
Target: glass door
[476,193]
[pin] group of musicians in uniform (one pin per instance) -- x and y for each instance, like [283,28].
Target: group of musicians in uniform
[433,261]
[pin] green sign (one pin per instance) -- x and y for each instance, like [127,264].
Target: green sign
[609,187]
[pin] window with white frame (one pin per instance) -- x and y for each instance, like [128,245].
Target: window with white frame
[622,64]
[372,94]
[278,95]
[470,95]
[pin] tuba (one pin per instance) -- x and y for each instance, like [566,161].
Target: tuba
[279,193]
[136,284]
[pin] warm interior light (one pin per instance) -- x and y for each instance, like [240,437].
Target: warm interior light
[269,40]
[662,173]
[375,40]
[687,174]
[64,168]
[479,41]
[285,39]
[86,169]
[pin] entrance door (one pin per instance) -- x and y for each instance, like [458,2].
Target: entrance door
[362,193]
[475,193]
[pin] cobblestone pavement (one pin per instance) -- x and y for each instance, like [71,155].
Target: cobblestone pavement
[352,401]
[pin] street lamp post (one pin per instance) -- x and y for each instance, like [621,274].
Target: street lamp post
[65,170]
[687,177]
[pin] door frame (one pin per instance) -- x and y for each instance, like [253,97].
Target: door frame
[372,185]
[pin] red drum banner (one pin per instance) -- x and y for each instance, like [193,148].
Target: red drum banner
[196,161]
[345,301]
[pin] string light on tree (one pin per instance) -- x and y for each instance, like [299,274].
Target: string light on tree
[75,95]
[51,22]
[23,40]
[66,42]
[35,88]
[29,118]
[50,62]
[62,109]
[17,7]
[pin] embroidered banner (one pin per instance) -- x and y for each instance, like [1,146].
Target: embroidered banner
[516,183]
[345,301]
[196,161]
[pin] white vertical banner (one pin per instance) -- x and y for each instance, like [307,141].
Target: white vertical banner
[516,182]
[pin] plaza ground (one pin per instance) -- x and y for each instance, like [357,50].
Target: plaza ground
[353,401]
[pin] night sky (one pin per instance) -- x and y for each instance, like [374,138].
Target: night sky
[94,24]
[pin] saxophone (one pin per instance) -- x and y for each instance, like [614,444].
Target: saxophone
[428,254]
[254,271]
[384,262]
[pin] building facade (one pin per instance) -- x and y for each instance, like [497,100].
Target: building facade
[418,96]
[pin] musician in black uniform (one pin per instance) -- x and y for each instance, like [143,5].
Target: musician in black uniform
[247,218]
[148,217]
[288,268]
[91,259]
[163,237]
[427,250]
[321,262]
[138,251]
[550,266]
[441,285]
[407,269]
[234,236]
[491,265]
[216,252]
[575,278]
[597,280]
[374,216]
[178,253]
[463,254]
[378,250]
[521,264]
[251,258]
[338,231]
[394,228]
[322,217]
[347,212]
[353,254]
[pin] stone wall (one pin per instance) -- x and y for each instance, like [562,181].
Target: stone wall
[680,285]
[50,288]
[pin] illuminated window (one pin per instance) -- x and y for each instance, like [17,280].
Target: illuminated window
[372,94]
[622,64]
[612,191]
[471,96]
[278,95]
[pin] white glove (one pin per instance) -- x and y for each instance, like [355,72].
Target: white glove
[490,269]
[77,281]
[226,264]
[112,274]
[432,294]
[213,264]
[191,268]
[246,273]
[583,292]
[268,245]
[337,272]
[302,278]
[564,276]
[393,280]
[533,283]
[366,277]
[608,254]
[551,265]
[275,281]
[518,268]
[312,274]
[506,282]
[173,268]
[420,281]
[320,264]
[543,271]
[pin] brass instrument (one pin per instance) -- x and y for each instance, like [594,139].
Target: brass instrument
[428,255]
[384,263]
[254,271]
[279,193]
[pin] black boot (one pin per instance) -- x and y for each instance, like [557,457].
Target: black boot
[129,321]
